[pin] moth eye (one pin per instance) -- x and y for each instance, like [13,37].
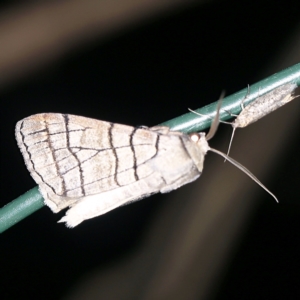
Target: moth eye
[195,137]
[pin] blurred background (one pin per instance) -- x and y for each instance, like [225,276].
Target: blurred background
[143,62]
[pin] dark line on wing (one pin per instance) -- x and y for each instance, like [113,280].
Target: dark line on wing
[38,131]
[83,148]
[103,149]
[133,153]
[66,120]
[86,148]
[163,179]
[90,157]
[184,147]
[30,158]
[97,152]
[113,149]
[114,174]
[157,145]
[58,161]
[43,141]
[55,133]
[54,158]
[110,139]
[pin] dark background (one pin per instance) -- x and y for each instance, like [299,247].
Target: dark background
[144,75]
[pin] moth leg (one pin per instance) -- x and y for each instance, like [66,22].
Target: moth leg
[160,129]
[209,117]
[165,130]
[247,95]
[230,113]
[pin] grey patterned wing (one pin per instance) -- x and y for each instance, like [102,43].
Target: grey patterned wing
[72,157]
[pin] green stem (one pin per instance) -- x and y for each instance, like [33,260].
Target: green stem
[20,208]
[191,122]
[31,201]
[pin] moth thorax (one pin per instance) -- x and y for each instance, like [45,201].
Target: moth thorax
[200,140]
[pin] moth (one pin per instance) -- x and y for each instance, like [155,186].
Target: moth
[262,106]
[94,166]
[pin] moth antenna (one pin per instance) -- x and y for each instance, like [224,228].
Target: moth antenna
[248,92]
[215,123]
[244,169]
[209,117]
[224,122]
[230,143]
[230,113]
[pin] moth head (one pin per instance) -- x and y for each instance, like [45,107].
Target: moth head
[200,140]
